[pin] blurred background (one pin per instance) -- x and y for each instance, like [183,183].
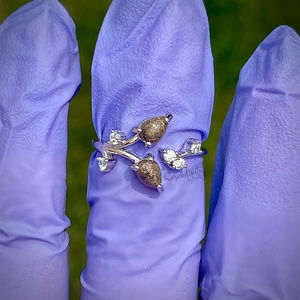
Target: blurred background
[237,27]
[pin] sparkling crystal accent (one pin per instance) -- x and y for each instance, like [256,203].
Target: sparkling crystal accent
[102,162]
[153,129]
[178,163]
[196,147]
[169,156]
[115,137]
[149,173]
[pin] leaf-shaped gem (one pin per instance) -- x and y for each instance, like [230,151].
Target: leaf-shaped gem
[153,129]
[149,173]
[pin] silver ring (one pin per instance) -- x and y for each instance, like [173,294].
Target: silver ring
[176,160]
[149,131]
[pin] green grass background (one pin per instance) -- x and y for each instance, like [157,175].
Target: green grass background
[237,27]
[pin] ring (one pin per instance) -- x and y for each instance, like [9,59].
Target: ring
[149,131]
[175,160]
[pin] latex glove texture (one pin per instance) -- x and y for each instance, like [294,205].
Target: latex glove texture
[252,246]
[39,74]
[151,58]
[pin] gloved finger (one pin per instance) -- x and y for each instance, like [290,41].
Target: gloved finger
[151,58]
[252,246]
[39,74]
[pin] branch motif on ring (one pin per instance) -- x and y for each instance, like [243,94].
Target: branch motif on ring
[147,170]
[176,160]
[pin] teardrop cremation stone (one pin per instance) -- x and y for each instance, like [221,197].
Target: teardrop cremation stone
[153,129]
[149,173]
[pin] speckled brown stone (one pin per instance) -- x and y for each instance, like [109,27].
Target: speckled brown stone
[153,129]
[149,173]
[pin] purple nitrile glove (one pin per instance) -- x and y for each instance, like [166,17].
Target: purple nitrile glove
[252,246]
[151,58]
[39,74]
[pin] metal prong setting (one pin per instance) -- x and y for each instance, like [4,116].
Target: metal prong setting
[137,130]
[160,188]
[176,160]
[149,131]
[168,118]
[134,167]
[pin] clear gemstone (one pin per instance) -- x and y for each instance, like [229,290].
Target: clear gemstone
[169,156]
[115,137]
[178,163]
[102,162]
[196,148]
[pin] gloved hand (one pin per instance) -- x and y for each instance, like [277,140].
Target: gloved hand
[39,74]
[252,246]
[151,58]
